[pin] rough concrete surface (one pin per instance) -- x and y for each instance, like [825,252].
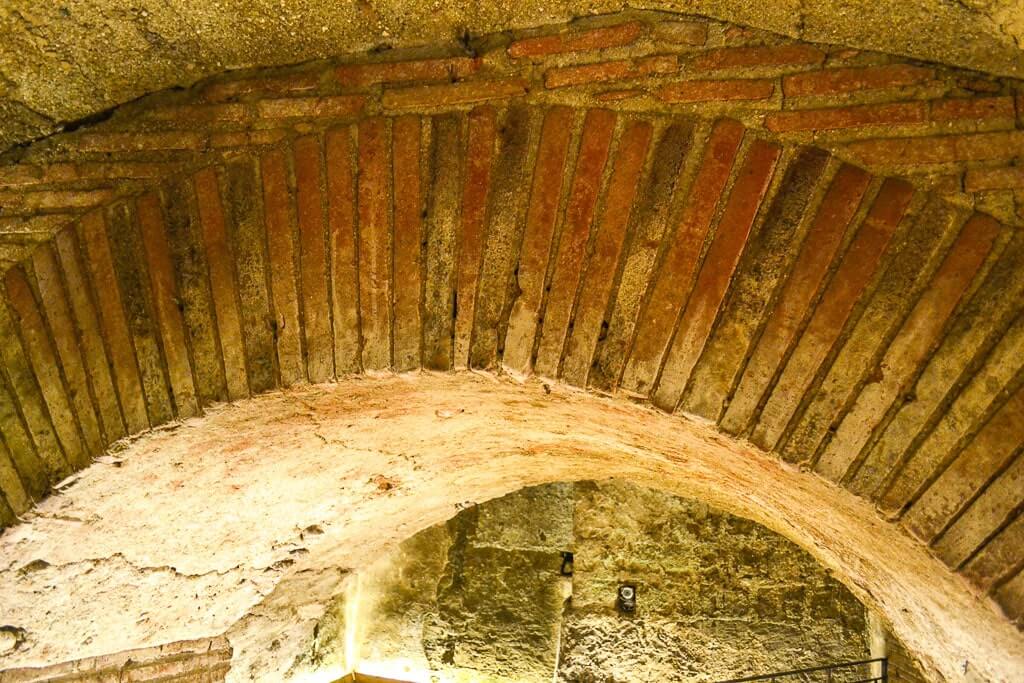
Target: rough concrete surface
[254,535]
[63,61]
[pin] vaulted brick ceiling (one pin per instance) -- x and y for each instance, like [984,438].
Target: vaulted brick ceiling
[629,206]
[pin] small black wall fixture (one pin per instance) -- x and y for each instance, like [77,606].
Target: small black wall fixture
[625,601]
[566,569]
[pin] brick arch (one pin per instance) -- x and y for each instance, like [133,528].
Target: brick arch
[248,521]
[626,207]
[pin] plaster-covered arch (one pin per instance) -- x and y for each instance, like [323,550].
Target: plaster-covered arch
[246,521]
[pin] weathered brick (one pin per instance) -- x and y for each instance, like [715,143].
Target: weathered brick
[982,518]
[838,81]
[595,143]
[1001,554]
[649,222]
[341,226]
[760,56]
[408,220]
[267,85]
[279,213]
[609,237]
[56,309]
[681,32]
[316,312]
[984,456]
[337,106]
[165,304]
[847,117]
[763,266]
[140,142]
[222,281]
[916,339]
[191,114]
[854,273]
[819,247]
[602,72]
[441,230]
[717,91]
[545,198]
[13,497]
[578,41]
[129,265]
[974,108]
[246,138]
[506,214]
[43,359]
[34,471]
[723,255]
[619,95]
[443,69]
[22,175]
[479,161]
[19,202]
[1002,178]
[463,92]
[939,149]
[96,251]
[672,283]
[374,200]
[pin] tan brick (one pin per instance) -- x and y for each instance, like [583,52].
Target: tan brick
[201,114]
[20,202]
[374,201]
[837,81]
[444,69]
[603,72]
[717,91]
[338,106]
[619,95]
[408,218]
[974,108]
[593,39]
[939,149]
[268,85]
[847,117]
[681,32]
[247,138]
[464,92]
[1002,178]
[341,227]
[761,56]
[140,142]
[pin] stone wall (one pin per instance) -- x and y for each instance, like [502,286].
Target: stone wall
[483,597]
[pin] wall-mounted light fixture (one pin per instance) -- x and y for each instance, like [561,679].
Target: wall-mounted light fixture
[625,601]
[566,569]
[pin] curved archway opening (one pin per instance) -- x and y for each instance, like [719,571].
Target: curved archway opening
[246,521]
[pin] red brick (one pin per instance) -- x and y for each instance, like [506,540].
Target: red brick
[222,281]
[374,204]
[336,106]
[479,159]
[541,217]
[836,81]
[1003,178]
[409,203]
[975,108]
[165,304]
[672,283]
[444,69]
[681,32]
[270,85]
[723,255]
[847,117]
[140,142]
[598,129]
[316,315]
[465,92]
[823,240]
[603,72]
[717,91]
[609,238]
[114,325]
[979,85]
[40,351]
[594,39]
[939,149]
[747,57]
[918,335]
[341,225]
[855,271]
[280,225]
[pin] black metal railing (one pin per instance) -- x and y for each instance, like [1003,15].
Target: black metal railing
[863,671]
